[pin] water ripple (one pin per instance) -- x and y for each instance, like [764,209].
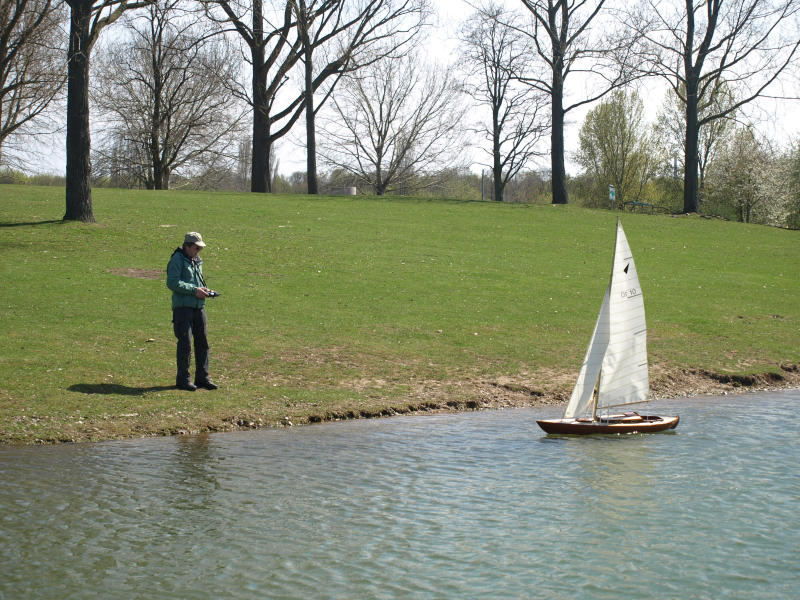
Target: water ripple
[479,505]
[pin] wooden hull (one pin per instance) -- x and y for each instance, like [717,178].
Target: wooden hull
[622,424]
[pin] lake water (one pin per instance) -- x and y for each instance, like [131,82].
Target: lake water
[454,506]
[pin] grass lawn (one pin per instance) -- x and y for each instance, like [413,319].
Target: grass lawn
[348,306]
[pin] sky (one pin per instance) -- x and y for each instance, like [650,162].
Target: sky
[773,119]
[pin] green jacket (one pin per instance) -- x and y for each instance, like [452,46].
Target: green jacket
[184,276]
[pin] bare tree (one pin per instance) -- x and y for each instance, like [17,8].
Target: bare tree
[346,35]
[31,72]
[87,19]
[272,39]
[243,164]
[701,45]
[284,32]
[573,37]
[393,120]
[119,162]
[493,53]
[166,90]
[671,129]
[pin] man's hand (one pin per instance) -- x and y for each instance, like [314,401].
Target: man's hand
[201,292]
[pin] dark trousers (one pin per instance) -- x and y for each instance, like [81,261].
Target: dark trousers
[187,323]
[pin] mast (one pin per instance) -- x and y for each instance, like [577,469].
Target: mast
[596,396]
[596,392]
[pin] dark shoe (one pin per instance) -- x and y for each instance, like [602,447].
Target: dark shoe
[189,387]
[207,384]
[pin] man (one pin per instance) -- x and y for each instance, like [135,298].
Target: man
[189,293]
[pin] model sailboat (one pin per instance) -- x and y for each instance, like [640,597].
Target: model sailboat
[614,372]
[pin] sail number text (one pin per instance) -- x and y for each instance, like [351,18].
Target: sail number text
[629,293]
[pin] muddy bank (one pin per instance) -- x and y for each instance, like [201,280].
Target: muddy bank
[523,391]
[542,388]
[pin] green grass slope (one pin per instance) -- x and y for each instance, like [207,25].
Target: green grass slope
[335,307]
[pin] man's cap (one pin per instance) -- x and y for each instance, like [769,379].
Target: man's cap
[194,238]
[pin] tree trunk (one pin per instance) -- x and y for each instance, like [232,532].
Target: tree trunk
[559,173]
[155,132]
[692,72]
[158,166]
[497,173]
[259,167]
[260,180]
[497,167]
[690,203]
[380,186]
[162,181]
[311,135]
[78,184]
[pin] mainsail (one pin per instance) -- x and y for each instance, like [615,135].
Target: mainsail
[617,353]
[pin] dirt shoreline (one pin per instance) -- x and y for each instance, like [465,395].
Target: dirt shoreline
[523,392]
[542,388]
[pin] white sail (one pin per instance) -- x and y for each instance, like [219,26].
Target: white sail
[617,353]
[623,378]
[580,402]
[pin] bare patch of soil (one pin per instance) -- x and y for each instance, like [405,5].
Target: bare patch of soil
[694,382]
[138,273]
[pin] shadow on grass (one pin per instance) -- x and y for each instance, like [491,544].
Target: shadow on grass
[7,224]
[114,388]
